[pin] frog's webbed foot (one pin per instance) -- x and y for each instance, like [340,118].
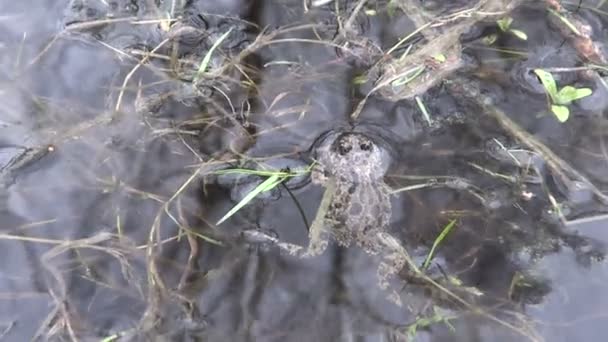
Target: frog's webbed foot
[393,258]
[315,248]
[254,236]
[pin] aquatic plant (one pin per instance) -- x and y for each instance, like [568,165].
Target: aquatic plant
[504,25]
[562,98]
[274,179]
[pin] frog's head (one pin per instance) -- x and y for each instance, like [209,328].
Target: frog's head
[356,157]
[354,146]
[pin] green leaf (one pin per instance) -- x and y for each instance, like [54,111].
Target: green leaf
[581,93]
[489,39]
[519,34]
[548,82]
[205,62]
[438,240]
[266,185]
[562,113]
[568,94]
[440,57]
[504,23]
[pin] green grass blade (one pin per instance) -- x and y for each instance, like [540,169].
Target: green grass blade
[406,52]
[438,241]
[414,72]
[274,184]
[264,173]
[565,21]
[273,181]
[423,109]
[205,63]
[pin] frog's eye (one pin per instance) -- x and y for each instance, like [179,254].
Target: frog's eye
[344,148]
[365,146]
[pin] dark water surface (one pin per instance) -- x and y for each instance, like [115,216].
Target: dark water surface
[93,241]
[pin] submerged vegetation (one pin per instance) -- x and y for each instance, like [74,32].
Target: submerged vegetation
[275,178]
[159,206]
[562,98]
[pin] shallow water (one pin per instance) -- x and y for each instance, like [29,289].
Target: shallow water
[78,225]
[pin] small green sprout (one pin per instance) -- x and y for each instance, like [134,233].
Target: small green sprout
[504,25]
[436,243]
[205,62]
[562,98]
[274,179]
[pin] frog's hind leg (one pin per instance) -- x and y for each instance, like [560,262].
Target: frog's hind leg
[318,234]
[393,258]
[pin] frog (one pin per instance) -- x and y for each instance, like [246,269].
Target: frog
[356,207]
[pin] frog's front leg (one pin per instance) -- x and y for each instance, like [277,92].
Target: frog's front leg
[393,258]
